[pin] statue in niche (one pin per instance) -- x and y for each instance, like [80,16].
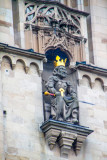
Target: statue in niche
[64,104]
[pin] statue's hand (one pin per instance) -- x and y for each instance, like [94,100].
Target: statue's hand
[58,93]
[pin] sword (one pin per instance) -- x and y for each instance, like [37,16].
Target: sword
[51,94]
[86,102]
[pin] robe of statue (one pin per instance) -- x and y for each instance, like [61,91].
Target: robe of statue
[64,106]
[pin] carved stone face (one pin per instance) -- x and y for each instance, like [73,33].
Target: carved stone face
[60,71]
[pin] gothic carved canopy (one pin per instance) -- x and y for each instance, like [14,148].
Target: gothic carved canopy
[53,16]
[50,24]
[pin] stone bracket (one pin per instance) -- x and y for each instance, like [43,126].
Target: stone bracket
[67,135]
[51,136]
[65,141]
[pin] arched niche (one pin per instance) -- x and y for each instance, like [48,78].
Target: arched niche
[99,84]
[48,68]
[86,81]
[6,62]
[20,65]
[51,54]
[34,69]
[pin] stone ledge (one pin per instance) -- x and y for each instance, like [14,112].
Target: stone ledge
[62,6]
[23,52]
[67,135]
[90,68]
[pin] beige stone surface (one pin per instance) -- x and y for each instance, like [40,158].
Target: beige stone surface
[21,98]
[21,85]
[94,116]
[98,11]
[6,23]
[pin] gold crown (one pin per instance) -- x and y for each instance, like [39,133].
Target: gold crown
[58,62]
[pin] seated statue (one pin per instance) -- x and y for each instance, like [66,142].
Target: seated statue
[64,104]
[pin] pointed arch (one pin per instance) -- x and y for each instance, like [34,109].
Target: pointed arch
[52,52]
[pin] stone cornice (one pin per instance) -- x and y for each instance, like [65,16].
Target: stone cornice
[91,69]
[22,52]
[66,126]
[62,6]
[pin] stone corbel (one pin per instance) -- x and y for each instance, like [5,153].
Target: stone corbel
[67,135]
[26,69]
[80,81]
[72,65]
[45,60]
[40,72]
[65,141]
[105,88]
[92,84]
[13,66]
[51,137]
[79,142]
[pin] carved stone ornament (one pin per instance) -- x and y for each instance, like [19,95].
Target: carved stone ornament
[62,124]
[52,15]
[63,99]
[67,136]
[49,24]
[56,40]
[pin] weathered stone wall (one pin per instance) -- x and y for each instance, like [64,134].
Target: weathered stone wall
[12,28]
[6,22]
[97,27]
[21,103]
[21,137]
[92,89]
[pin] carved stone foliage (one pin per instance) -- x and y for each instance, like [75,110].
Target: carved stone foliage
[52,15]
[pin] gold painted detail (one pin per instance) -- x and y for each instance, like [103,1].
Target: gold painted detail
[62,91]
[58,62]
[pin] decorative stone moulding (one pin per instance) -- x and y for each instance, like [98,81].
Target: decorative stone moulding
[53,14]
[67,135]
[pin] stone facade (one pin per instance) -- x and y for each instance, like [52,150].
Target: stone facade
[28,29]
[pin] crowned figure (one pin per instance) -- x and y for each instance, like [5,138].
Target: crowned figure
[63,103]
